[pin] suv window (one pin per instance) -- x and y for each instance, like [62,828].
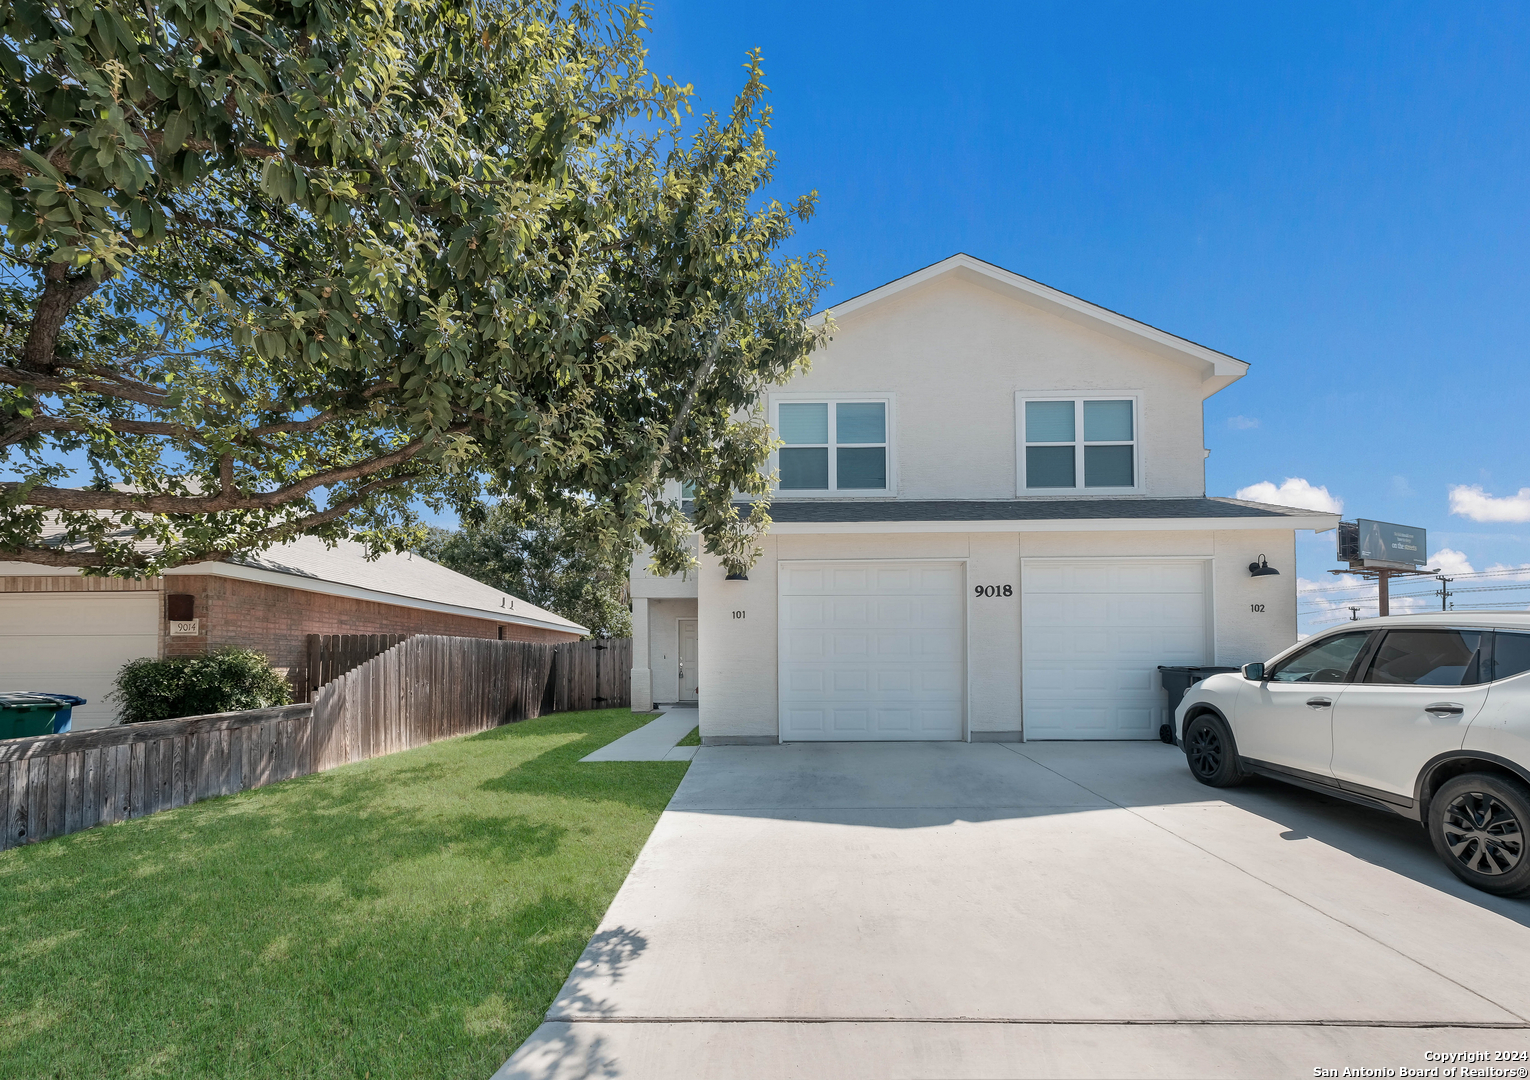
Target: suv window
[1429,658]
[1511,654]
[1328,660]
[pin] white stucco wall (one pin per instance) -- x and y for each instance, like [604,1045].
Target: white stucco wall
[738,655]
[664,645]
[644,584]
[953,354]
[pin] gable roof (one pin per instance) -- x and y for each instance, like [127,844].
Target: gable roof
[1216,369]
[406,580]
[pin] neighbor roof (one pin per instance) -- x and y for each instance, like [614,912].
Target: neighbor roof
[308,563]
[407,580]
[1216,369]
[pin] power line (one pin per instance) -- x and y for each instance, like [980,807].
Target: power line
[1432,592]
[1500,572]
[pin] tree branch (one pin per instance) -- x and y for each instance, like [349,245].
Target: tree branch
[51,498]
[128,392]
[60,293]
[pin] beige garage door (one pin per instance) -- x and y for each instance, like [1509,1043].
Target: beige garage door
[74,643]
[872,651]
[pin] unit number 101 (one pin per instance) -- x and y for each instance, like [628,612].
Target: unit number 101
[993,590]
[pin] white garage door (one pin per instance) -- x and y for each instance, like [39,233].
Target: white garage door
[1093,632]
[74,643]
[872,650]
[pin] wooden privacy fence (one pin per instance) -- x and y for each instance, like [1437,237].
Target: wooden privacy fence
[592,675]
[332,655]
[56,784]
[422,689]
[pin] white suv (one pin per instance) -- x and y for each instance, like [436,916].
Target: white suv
[1427,716]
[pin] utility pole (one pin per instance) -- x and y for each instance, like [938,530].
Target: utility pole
[1354,614]
[1444,590]
[1383,598]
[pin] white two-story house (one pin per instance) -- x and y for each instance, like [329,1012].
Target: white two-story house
[991,524]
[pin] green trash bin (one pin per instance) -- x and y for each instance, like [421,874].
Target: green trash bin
[27,713]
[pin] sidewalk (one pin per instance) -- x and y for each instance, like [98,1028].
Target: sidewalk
[654,741]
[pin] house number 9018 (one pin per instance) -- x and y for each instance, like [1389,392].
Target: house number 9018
[993,590]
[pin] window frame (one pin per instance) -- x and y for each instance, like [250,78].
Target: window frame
[1078,397]
[1486,659]
[1356,666]
[831,400]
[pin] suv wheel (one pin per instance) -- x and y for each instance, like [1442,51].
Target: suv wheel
[1209,750]
[1478,824]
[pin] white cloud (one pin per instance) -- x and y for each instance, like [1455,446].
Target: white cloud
[1450,561]
[1242,423]
[1293,492]
[1470,501]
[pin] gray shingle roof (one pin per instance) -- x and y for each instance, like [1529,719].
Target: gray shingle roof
[836,510]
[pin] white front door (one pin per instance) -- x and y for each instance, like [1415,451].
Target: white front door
[75,643]
[688,679]
[872,651]
[1093,632]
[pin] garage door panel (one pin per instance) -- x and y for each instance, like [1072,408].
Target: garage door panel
[798,720]
[850,580]
[75,643]
[1093,634]
[892,662]
[851,680]
[797,580]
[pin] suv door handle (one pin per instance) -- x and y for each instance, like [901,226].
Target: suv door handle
[1443,709]
[1318,703]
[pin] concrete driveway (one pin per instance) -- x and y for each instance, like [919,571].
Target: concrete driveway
[1047,910]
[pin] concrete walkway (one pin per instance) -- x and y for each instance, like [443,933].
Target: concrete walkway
[951,910]
[654,741]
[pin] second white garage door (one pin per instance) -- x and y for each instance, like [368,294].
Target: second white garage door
[872,651]
[75,643]
[1093,632]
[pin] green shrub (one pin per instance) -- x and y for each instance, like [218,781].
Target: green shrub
[225,681]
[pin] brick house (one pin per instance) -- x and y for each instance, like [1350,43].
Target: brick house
[65,632]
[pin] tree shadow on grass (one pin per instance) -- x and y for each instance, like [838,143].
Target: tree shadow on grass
[558,771]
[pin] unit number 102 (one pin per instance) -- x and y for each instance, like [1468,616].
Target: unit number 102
[993,590]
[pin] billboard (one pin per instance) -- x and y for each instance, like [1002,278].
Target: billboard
[1382,541]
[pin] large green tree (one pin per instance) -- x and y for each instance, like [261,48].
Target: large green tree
[274,268]
[547,559]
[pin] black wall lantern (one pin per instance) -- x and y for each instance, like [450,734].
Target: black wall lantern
[737,577]
[1262,569]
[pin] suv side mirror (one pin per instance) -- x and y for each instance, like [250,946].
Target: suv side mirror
[1253,672]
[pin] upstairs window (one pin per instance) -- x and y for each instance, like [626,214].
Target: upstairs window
[1072,444]
[832,446]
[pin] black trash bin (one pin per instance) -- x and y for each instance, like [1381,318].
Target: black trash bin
[1177,680]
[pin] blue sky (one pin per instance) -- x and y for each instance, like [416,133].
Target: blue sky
[1334,193]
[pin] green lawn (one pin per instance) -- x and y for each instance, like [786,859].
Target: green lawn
[693,739]
[409,916]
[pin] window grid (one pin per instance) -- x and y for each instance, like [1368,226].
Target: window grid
[832,446]
[1073,433]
